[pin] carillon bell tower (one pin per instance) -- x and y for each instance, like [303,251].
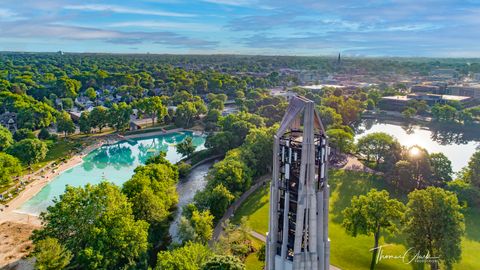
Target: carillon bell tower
[298,224]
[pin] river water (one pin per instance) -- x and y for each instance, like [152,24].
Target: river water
[456,142]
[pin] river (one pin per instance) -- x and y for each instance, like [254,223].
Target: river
[458,143]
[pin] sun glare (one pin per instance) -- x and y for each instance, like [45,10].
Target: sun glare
[414,151]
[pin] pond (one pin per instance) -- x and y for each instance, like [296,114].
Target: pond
[114,163]
[456,142]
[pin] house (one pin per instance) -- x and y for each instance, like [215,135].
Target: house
[9,120]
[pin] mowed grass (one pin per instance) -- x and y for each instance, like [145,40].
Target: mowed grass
[56,150]
[252,262]
[349,252]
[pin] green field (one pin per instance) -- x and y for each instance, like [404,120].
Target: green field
[353,253]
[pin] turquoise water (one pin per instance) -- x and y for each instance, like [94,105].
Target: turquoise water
[114,163]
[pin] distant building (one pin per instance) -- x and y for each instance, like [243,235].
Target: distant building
[438,88]
[397,103]
[9,120]
[282,93]
[470,90]
[476,77]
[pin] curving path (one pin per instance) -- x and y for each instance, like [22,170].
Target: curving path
[231,210]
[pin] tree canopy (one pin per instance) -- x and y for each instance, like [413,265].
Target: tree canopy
[96,224]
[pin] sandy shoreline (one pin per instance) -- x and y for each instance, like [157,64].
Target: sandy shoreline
[11,213]
[20,224]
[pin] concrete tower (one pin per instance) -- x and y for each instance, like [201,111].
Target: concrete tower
[298,225]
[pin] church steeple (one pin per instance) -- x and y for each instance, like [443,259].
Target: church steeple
[339,59]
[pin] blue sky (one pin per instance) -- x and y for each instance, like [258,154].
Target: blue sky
[274,27]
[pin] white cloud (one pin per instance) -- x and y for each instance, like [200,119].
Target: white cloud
[126,10]
[231,2]
[8,15]
[166,25]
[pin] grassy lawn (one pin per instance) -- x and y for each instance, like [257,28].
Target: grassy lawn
[353,253]
[56,151]
[252,262]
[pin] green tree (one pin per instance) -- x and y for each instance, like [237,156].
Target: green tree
[216,104]
[6,138]
[29,151]
[221,262]
[189,257]
[257,149]
[185,114]
[235,240]
[370,215]
[435,225]
[65,124]
[216,200]
[51,255]
[119,116]
[84,123]
[472,173]
[99,118]
[67,104]
[152,106]
[197,228]
[211,119]
[186,148]
[9,167]
[329,116]
[91,94]
[409,112]
[23,133]
[152,192]
[441,168]
[44,134]
[340,140]
[95,223]
[232,172]
[221,142]
[444,112]
[379,146]
[67,87]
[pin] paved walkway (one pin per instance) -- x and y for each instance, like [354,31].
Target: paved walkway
[231,210]
[353,164]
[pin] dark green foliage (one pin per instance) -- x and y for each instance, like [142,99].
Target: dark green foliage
[29,151]
[119,116]
[434,224]
[441,168]
[44,134]
[23,133]
[183,169]
[186,147]
[65,124]
[473,170]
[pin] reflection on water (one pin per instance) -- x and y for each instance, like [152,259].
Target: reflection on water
[458,143]
[115,163]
